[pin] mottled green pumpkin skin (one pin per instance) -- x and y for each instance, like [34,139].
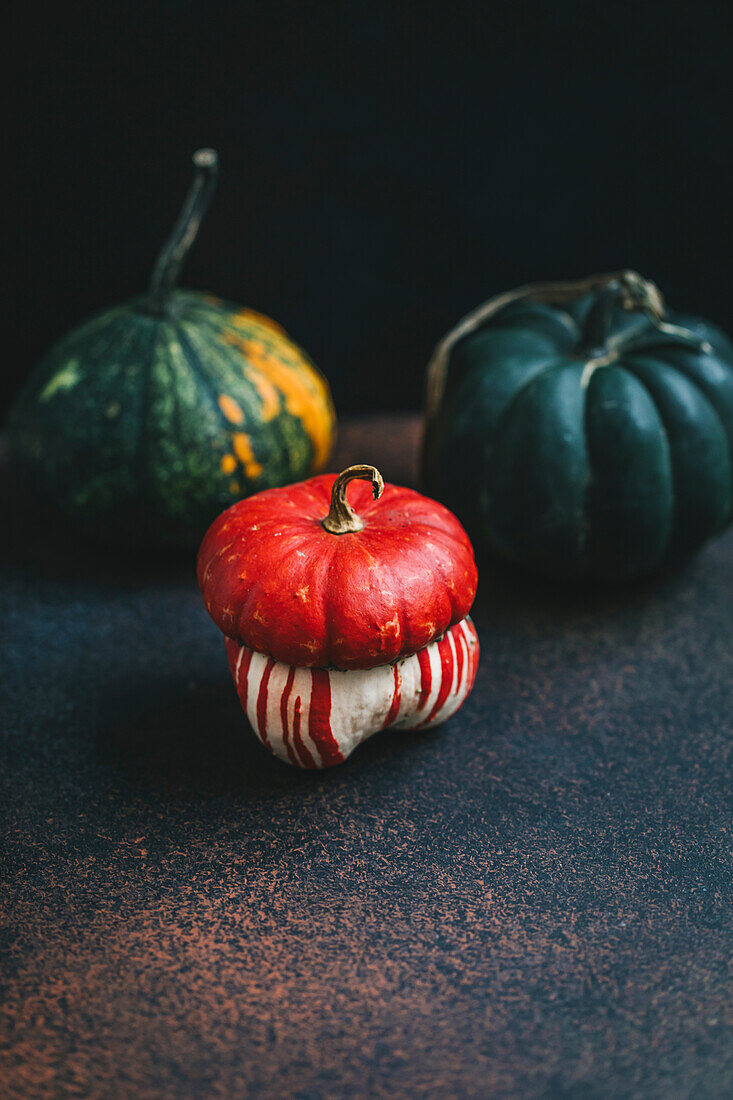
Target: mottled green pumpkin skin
[608,472]
[142,427]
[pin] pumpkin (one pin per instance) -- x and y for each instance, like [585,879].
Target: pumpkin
[341,617]
[581,429]
[148,419]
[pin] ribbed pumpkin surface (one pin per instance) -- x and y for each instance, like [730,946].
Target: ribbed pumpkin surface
[573,457]
[144,427]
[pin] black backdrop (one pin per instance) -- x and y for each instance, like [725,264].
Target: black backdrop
[385,166]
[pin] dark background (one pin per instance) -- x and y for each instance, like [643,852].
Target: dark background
[385,166]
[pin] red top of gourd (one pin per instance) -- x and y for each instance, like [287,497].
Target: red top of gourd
[301,575]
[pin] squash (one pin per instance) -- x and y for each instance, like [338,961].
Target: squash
[338,622]
[316,717]
[148,419]
[582,430]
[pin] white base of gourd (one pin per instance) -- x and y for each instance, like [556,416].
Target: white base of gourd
[315,718]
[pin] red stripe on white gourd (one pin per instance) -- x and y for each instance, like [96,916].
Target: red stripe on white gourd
[313,718]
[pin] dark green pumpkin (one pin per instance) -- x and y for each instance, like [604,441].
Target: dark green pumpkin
[579,429]
[146,421]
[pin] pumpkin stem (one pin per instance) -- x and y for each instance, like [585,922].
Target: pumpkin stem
[168,265]
[342,518]
[625,290]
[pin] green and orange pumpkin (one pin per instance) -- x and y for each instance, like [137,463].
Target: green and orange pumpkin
[146,421]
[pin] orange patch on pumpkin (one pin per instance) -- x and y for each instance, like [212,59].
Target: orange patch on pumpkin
[228,464]
[306,394]
[267,393]
[243,451]
[231,409]
[250,317]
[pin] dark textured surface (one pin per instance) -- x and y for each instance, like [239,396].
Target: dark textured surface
[535,900]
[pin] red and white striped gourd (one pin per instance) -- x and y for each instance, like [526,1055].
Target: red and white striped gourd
[340,623]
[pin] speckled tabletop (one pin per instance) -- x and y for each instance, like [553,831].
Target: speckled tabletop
[535,900]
